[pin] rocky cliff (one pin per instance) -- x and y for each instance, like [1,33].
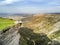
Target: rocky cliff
[10,36]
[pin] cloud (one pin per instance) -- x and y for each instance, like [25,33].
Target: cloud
[33,6]
[54,2]
[29,9]
[38,0]
[5,2]
[45,2]
[23,9]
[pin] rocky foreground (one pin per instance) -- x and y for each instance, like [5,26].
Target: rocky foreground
[10,36]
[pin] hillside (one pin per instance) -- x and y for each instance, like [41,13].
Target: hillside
[48,24]
[5,22]
[39,29]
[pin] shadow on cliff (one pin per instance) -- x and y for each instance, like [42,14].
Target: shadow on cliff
[28,37]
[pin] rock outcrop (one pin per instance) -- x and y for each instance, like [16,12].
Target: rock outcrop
[10,36]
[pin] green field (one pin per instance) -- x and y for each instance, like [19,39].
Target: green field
[5,22]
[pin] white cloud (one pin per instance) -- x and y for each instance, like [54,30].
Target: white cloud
[54,2]
[48,2]
[5,2]
[23,9]
[29,9]
[38,0]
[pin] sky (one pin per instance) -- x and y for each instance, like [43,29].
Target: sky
[29,6]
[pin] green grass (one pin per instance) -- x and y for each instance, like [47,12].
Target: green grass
[5,22]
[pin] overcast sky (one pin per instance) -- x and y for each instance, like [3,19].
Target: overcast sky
[29,6]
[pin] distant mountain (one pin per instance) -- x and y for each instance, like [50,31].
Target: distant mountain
[13,14]
[3,13]
[54,13]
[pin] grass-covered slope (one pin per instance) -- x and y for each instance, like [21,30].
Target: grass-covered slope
[5,22]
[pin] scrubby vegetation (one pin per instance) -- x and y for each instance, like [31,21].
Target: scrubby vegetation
[28,37]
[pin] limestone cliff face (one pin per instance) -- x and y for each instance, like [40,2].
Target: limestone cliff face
[46,23]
